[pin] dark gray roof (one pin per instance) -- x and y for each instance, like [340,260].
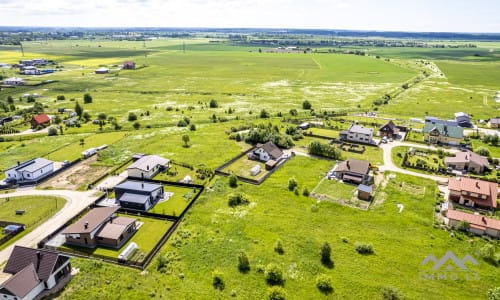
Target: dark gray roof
[148,162]
[435,120]
[22,282]
[134,198]
[271,149]
[360,129]
[32,165]
[132,185]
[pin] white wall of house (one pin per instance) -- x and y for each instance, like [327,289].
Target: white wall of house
[263,155]
[12,173]
[149,174]
[359,137]
[38,173]
[493,232]
[30,296]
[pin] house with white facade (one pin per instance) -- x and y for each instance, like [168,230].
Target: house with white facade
[31,170]
[147,166]
[358,134]
[266,152]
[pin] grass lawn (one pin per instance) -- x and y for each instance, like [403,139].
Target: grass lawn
[494,150]
[181,173]
[242,167]
[176,204]
[335,190]
[421,156]
[324,132]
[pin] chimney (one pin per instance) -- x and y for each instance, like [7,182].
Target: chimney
[483,219]
[86,224]
[38,258]
[18,163]
[477,184]
[347,163]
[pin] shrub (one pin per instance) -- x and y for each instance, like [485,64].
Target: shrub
[494,294]
[296,191]
[463,226]
[391,293]
[217,280]
[324,284]
[306,105]
[61,97]
[192,127]
[264,114]
[326,251]
[305,192]
[276,293]
[137,125]
[243,263]
[132,116]
[213,103]
[87,98]
[483,151]
[237,199]
[487,252]
[233,181]
[52,131]
[182,123]
[292,183]
[278,247]
[274,275]
[294,112]
[363,248]
[187,120]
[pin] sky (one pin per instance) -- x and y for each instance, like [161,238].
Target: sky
[388,15]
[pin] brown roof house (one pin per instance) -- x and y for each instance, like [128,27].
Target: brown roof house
[40,120]
[100,227]
[266,152]
[479,225]
[352,170]
[34,271]
[473,192]
[389,130]
[468,161]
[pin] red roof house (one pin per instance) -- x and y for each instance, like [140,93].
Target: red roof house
[40,120]
[478,224]
[473,192]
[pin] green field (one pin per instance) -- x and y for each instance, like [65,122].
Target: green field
[177,203]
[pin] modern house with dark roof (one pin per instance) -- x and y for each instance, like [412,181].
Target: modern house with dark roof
[138,195]
[442,131]
[100,227]
[472,192]
[388,130]
[147,166]
[34,271]
[40,120]
[358,134]
[468,161]
[352,170]
[463,120]
[478,224]
[266,152]
[31,170]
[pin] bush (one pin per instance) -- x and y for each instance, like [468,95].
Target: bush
[182,123]
[132,117]
[243,263]
[233,181]
[296,191]
[192,127]
[52,131]
[487,252]
[483,151]
[237,199]
[87,98]
[306,105]
[326,150]
[305,191]
[324,284]
[494,294]
[217,280]
[274,275]
[292,184]
[61,97]
[276,293]
[137,125]
[364,248]
[213,103]
[278,247]
[391,293]
[264,114]
[293,112]
[326,252]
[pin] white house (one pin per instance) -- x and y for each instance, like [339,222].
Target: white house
[31,170]
[357,133]
[266,152]
[147,166]
[34,271]
[14,81]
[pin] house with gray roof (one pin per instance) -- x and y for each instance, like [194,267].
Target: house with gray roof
[442,132]
[34,271]
[138,195]
[463,120]
[358,134]
[29,171]
[147,166]
[468,161]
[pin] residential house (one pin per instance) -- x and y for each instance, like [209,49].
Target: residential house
[468,161]
[463,120]
[40,120]
[494,123]
[138,195]
[352,170]
[358,134]
[129,65]
[389,130]
[100,227]
[34,271]
[14,81]
[266,152]
[479,225]
[472,192]
[31,170]
[102,71]
[147,166]
[442,131]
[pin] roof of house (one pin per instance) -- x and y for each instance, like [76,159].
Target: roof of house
[354,166]
[439,121]
[43,260]
[365,188]
[453,131]
[116,228]
[129,62]
[360,129]
[477,220]
[94,218]
[466,157]
[41,118]
[389,126]
[461,115]
[490,189]
[102,69]
[133,185]
[145,163]
[494,121]
[22,282]
[273,150]
[134,198]
[14,79]
[32,165]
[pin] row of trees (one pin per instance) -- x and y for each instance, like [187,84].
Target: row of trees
[326,150]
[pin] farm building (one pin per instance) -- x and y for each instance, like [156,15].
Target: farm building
[40,120]
[265,152]
[34,271]
[364,191]
[102,71]
[389,130]
[31,170]
[14,81]
[100,227]
[479,225]
[352,170]
[472,192]
[357,133]
[442,131]
[138,195]
[147,166]
[468,161]
[128,65]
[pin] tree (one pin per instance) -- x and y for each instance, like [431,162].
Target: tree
[86,116]
[10,100]
[185,139]
[276,293]
[87,98]
[292,183]
[306,105]
[326,251]
[233,181]
[487,251]
[273,274]
[57,119]
[137,125]
[264,114]
[132,117]
[217,280]
[483,151]
[78,110]
[293,112]
[52,131]
[494,140]
[102,119]
[305,191]
[181,123]
[494,294]
[243,263]
[278,247]
[213,103]
[30,99]
[192,127]
[234,200]
[324,284]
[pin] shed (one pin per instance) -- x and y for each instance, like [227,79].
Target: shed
[364,192]
[255,170]
[270,164]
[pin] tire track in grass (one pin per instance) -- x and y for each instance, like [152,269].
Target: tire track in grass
[319,66]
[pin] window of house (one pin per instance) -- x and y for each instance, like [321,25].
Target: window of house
[100,238]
